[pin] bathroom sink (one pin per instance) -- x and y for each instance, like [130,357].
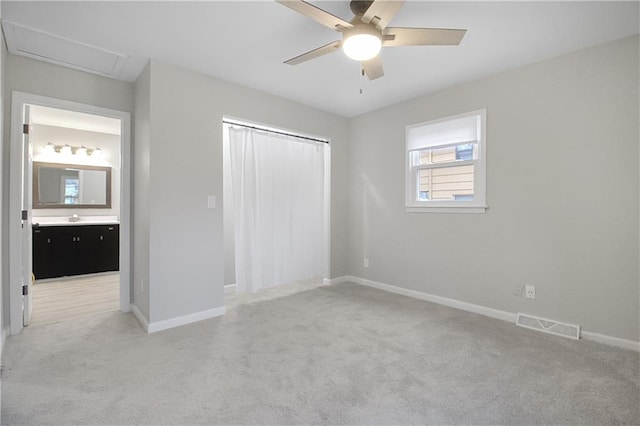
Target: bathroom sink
[82,220]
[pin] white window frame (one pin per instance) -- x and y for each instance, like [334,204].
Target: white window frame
[479,204]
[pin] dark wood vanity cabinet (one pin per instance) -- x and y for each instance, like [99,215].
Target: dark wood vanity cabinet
[60,251]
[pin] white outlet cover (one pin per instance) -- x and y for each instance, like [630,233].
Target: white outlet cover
[211,201]
[530,291]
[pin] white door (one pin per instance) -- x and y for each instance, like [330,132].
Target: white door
[27,193]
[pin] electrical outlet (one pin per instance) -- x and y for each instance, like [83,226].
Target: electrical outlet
[365,262]
[530,291]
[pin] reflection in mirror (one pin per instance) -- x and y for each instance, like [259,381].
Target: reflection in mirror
[70,186]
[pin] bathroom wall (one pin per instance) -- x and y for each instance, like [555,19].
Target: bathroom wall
[108,143]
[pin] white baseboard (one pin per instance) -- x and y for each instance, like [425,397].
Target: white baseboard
[338,280]
[610,340]
[453,303]
[3,339]
[140,317]
[185,319]
[478,309]
[228,289]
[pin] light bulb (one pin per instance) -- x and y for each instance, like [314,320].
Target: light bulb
[362,43]
[48,149]
[65,150]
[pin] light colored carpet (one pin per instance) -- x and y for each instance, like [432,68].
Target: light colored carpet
[344,354]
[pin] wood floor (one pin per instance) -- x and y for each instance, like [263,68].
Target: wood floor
[74,298]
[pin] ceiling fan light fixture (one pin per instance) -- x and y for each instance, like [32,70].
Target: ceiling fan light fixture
[362,43]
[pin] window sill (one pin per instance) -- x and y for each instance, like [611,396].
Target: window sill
[446,209]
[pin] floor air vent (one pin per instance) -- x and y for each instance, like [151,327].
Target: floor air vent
[548,326]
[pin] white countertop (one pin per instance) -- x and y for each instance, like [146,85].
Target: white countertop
[84,220]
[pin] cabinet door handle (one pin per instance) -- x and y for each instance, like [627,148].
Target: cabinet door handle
[48,240]
[73,238]
[77,238]
[101,238]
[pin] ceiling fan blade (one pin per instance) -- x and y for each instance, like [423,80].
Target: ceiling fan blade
[373,68]
[317,14]
[312,54]
[422,36]
[381,12]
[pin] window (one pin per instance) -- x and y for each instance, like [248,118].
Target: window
[446,164]
[71,190]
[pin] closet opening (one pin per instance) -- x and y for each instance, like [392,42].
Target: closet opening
[276,200]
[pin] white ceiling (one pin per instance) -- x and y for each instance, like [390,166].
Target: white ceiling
[246,42]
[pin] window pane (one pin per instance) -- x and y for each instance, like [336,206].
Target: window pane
[449,154]
[446,183]
[71,190]
[71,187]
[464,152]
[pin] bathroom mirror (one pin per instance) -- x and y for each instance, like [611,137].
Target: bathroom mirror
[63,186]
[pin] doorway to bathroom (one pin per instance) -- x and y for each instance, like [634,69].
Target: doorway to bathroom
[69,211]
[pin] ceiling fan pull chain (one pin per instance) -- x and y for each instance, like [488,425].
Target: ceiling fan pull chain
[361,77]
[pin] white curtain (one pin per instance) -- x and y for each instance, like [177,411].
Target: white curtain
[278,196]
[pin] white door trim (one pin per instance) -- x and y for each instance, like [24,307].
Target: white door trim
[13,257]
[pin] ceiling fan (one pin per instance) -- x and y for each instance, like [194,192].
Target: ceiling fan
[367,32]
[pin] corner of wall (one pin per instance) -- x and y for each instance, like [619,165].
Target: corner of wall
[3,338]
[142,319]
[140,197]
[3,299]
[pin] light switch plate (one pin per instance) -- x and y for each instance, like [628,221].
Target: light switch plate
[211,201]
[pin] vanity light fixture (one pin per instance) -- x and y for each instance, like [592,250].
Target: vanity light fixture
[49,148]
[67,149]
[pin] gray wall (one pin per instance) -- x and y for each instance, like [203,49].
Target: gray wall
[4,289]
[562,190]
[40,78]
[186,110]
[141,185]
